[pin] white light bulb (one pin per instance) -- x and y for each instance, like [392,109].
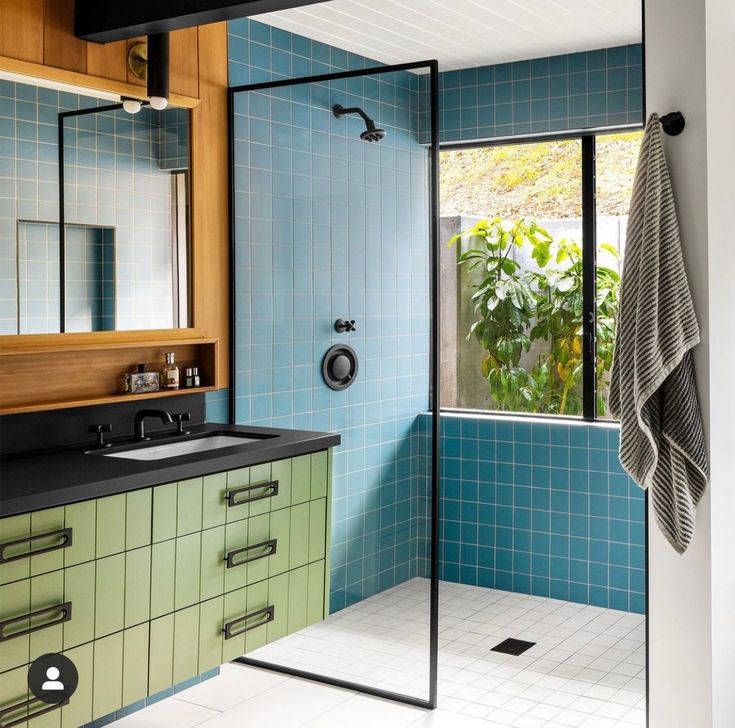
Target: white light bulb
[159,103]
[132,106]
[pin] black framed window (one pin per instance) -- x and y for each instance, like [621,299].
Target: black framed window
[535,238]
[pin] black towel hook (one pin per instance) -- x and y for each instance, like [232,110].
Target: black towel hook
[673,124]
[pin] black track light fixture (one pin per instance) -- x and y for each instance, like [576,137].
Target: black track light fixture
[158,70]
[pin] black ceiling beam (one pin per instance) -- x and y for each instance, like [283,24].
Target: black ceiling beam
[103,21]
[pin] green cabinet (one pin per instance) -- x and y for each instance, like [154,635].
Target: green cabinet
[146,589]
[233,624]
[202,565]
[65,608]
[113,672]
[57,538]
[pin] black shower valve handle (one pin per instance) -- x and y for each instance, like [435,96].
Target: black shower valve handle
[345,326]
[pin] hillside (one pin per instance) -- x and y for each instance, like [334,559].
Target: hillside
[541,180]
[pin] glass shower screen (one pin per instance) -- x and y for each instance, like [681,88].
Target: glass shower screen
[334,241]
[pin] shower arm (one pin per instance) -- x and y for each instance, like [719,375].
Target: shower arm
[341,111]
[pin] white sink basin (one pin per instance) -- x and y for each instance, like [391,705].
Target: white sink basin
[187,447]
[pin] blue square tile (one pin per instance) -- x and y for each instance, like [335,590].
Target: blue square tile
[559,568]
[540,586]
[522,562]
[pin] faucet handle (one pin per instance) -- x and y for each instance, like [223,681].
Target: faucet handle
[345,326]
[100,431]
[179,419]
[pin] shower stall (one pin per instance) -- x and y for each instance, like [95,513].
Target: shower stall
[334,230]
[336,258]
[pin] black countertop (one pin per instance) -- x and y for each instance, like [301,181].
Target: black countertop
[45,479]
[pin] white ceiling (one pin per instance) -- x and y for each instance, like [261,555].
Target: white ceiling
[464,33]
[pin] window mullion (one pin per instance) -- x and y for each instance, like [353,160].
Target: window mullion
[589,277]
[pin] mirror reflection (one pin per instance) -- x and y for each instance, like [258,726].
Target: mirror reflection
[94,232]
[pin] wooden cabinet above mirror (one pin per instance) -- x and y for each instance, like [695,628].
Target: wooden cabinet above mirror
[37,42]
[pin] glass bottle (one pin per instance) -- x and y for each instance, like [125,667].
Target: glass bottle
[170,373]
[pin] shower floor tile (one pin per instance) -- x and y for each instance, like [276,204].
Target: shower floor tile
[586,668]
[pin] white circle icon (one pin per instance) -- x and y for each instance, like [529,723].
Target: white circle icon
[53,682]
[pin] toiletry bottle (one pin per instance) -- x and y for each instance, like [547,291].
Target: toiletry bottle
[195,375]
[170,373]
[188,378]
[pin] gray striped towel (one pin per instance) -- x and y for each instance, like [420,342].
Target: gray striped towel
[653,389]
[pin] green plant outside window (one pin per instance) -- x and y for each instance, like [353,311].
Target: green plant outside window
[518,309]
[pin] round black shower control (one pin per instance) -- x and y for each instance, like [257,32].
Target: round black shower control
[339,367]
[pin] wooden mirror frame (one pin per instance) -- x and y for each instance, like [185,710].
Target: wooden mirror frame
[55,371]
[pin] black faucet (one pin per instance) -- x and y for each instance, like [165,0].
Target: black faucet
[140,424]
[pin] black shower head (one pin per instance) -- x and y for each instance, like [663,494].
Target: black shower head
[371,133]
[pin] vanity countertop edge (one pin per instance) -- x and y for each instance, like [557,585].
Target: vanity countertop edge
[34,481]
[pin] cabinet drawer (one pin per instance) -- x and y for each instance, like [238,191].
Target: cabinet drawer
[203,565]
[189,506]
[68,607]
[113,672]
[43,541]
[231,625]
[19,708]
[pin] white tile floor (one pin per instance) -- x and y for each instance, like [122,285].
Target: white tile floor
[585,671]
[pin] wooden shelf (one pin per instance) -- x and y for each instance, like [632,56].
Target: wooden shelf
[44,378]
[66,404]
[86,345]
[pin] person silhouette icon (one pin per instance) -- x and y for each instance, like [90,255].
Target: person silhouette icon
[52,678]
[52,682]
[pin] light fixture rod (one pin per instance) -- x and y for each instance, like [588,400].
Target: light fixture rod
[158,65]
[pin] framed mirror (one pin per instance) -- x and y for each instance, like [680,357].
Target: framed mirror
[94,214]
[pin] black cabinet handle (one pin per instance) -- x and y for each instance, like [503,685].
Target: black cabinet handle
[61,612]
[270,549]
[271,490]
[230,628]
[26,712]
[63,534]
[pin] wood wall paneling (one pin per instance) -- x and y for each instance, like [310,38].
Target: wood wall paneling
[210,170]
[108,61]
[21,29]
[60,48]
[184,62]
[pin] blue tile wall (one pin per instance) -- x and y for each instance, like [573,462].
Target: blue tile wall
[113,178]
[217,406]
[533,507]
[173,140]
[90,278]
[541,508]
[90,281]
[330,227]
[37,278]
[576,91]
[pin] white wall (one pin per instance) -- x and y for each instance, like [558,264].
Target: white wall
[690,63]
[720,33]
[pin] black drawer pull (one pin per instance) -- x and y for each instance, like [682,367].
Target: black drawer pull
[62,612]
[271,491]
[63,533]
[270,549]
[26,711]
[230,628]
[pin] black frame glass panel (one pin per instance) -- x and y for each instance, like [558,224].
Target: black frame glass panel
[432,139]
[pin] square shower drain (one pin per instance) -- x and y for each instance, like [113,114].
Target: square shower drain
[513,647]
